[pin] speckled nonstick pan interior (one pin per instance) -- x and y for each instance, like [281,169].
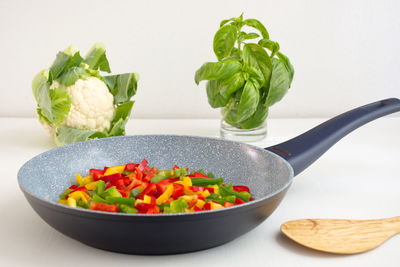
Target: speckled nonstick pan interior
[268,172]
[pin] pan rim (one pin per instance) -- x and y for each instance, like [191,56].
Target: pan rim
[69,210]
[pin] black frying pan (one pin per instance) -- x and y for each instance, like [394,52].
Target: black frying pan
[268,172]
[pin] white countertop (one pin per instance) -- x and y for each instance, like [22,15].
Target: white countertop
[359,178]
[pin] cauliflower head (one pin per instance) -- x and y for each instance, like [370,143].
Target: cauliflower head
[76,103]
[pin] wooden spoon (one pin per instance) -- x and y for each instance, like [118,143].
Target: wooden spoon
[341,236]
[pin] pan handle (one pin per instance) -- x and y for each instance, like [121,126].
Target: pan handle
[303,150]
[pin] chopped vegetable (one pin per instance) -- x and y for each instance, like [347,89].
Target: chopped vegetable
[75,102]
[139,188]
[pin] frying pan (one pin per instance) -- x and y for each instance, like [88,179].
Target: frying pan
[268,172]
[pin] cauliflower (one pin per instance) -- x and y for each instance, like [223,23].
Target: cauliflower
[92,104]
[76,103]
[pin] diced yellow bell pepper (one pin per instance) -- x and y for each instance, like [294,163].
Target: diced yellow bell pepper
[189,210]
[114,169]
[165,196]
[78,195]
[216,189]
[215,206]
[91,185]
[186,182]
[79,179]
[71,202]
[147,199]
[138,201]
[63,201]
[205,193]
[200,203]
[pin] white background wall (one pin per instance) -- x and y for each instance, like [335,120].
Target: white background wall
[345,53]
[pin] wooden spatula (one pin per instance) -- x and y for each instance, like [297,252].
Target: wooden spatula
[341,236]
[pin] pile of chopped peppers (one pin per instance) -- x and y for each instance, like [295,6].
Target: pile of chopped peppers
[139,188]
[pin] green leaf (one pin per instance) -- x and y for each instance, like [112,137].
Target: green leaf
[58,65]
[71,75]
[257,119]
[96,58]
[257,25]
[67,135]
[248,101]
[270,45]
[40,90]
[217,70]
[289,67]
[230,85]
[280,82]
[257,63]
[224,41]
[122,86]
[60,105]
[215,98]
[247,36]
[120,119]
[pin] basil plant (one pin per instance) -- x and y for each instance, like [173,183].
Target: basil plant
[249,76]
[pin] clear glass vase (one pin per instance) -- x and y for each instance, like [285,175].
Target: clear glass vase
[230,132]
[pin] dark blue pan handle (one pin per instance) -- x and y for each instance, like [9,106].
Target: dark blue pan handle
[306,148]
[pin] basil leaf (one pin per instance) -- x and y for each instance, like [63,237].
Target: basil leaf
[231,84]
[217,70]
[289,67]
[270,45]
[122,86]
[257,63]
[96,58]
[60,105]
[247,36]
[280,82]
[257,119]
[215,98]
[257,25]
[224,41]
[248,101]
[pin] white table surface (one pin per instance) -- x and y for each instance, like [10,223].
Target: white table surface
[359,178]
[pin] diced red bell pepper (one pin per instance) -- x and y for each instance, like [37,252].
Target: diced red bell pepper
[96,174]
[241,188]
[108,185]
[127,181]
[150,190]
[112,178]
[103,207]
[80,188]
[139,173]
[201,188]
[178,191]
[130,167]
[239,201]
[125,193]
[133,184]
[228,204]
[161,187]
[198,174]
[175,167]
[143,164]
[74,186]
[207,206]
[119,184]
[149,173]
[147,208]
[195,208]
[200,196]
